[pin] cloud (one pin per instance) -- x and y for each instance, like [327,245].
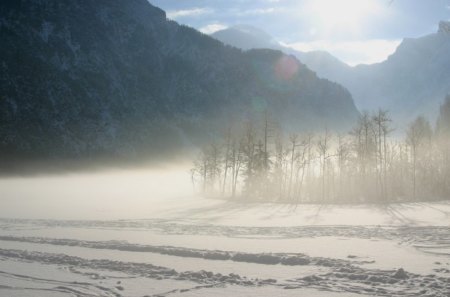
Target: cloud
[193,12]
[211,28]
[258,11]
[352,52]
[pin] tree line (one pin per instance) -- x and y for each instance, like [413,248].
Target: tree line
[256,159]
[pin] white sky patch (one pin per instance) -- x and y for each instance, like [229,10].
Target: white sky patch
[211,28]
[351,52]
[198,11]
[259,11]
[343,12]
[332,18]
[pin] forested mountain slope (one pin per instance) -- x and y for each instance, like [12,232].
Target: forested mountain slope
[117,78]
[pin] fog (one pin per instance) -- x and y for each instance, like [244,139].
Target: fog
[143,231]
[113,194]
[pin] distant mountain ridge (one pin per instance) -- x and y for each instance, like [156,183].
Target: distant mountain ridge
[413,80]
[108,77]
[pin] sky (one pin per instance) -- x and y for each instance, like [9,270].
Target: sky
[355,31]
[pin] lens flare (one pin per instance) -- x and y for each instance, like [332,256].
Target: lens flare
[286,67]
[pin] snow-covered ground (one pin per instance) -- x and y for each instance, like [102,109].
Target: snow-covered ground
[140,234]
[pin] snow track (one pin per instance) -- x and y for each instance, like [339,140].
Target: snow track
[237,263]
[343,278]
[261,258]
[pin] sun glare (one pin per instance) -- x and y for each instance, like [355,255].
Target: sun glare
[348,15]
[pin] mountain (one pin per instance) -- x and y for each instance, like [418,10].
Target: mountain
[83,79]
[412,81]
[248,37]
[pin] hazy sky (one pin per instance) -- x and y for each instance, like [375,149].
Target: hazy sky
[356,31]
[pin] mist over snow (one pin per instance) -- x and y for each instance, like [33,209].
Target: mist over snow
[110,194]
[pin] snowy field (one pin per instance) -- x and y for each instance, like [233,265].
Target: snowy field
[140,234]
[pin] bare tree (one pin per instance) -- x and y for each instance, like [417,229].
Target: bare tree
[226,158]
[236,157]
[381,130]
[416,134]
[343,153]
[302,162]
[323,147]
[366,165]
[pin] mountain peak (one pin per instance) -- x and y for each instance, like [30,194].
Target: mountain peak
[256,32]
[444,27]
[246,37]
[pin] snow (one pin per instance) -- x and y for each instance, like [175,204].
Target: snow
[166,193]
[137,234]
[50,280]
